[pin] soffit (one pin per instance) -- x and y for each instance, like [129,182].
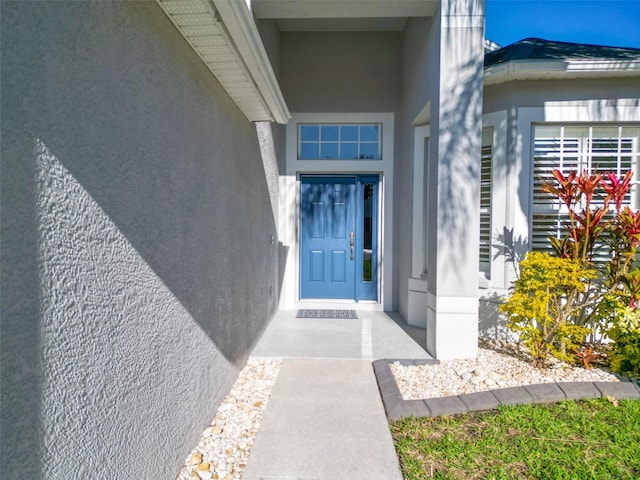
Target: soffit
[343,8]
[560,69]
[387,24]
[239,63]
[342,15]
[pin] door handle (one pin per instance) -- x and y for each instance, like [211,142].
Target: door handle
[351,243]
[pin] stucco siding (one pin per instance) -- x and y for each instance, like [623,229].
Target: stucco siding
[270,36]
[540,92]
[138,267]
[340,72]
[420,76]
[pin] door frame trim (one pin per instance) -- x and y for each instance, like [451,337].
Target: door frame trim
[289,202]
[360,180]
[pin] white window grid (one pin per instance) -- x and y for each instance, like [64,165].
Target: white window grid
[485,199]
[594,148]
[341,142]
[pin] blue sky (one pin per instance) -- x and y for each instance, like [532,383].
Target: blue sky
[601,22]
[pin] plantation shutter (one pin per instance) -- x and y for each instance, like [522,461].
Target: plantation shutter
[596,149]
[485,200]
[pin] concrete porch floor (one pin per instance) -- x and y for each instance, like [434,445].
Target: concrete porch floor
[372,336]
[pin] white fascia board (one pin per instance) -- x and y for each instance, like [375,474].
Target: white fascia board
[559,69]
[238,20]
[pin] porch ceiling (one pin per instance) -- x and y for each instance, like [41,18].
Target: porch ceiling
[342,15]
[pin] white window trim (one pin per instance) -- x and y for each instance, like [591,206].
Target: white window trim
[559,209]
[290,199]
[503,191]
[488,139]
[339,142]
[419,214]
[417,286]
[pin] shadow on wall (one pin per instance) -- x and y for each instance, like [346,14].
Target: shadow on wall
[21,375]
[461,153]
[492,323]
[202,245]
[112,332]
[137,263]
[283,252]
[512,249]
[460,120]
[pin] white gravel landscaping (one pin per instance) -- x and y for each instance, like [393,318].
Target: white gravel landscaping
[224,446]
[490,370]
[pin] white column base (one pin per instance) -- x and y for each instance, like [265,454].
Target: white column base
[452,327]
[417,308]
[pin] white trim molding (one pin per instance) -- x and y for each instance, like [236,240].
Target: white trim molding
[239,21]
[290,192]
[447,317]
[501,193]
[560,69]
[225,37]
[417,287]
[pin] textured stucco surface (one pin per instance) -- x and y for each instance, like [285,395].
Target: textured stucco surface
[340,71]
[539,92]
[137,263]
[420,75]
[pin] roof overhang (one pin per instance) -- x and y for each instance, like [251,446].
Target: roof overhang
[342,15]
[560,69]
[224,35]
[343,8]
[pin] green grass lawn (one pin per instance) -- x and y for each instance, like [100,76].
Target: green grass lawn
[589,439]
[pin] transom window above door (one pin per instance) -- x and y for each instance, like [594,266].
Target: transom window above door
[339,141]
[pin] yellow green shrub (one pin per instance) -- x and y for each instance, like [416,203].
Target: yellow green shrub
[550,293]
[625,352]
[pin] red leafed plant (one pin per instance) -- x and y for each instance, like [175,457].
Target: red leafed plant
[601,227]
[605,224]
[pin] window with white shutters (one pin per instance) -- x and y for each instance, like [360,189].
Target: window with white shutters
[596,149]
[485,200]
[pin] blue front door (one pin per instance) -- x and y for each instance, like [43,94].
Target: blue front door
[338,240]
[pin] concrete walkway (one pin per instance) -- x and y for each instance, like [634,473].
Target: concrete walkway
[325,419]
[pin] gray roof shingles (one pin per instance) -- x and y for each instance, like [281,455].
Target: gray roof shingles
[539,49]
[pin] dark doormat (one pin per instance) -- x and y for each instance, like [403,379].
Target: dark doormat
[304,313]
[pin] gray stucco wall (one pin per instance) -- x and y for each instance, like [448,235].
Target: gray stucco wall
[537,93]
[420,74]
[137,264]
[340,71]
[270,36]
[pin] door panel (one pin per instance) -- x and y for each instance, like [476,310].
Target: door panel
[328,216]
[338,237]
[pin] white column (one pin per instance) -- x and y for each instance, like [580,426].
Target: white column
[456,132]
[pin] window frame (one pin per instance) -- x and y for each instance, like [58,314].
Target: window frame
[581,155]
[329,141]
[486,201]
